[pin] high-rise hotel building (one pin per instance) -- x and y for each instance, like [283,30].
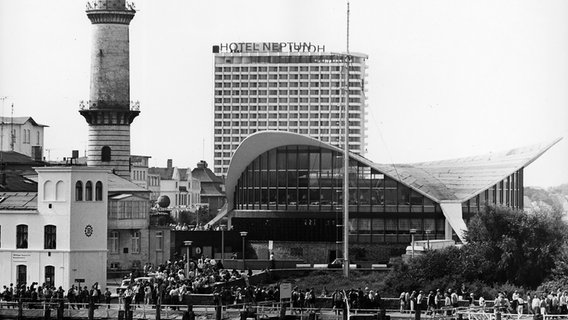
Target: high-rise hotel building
[296,87]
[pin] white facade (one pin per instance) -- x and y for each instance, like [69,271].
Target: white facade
[22,135]
[139,170]
[79,215]
[299,92]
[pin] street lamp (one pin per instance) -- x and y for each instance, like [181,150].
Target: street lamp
[243,235]
[223,227]
[412,233]
[187,245]
[428,238]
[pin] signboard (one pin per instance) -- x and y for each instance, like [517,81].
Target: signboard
[268,47]
[285,290]
[21,257]
[270,244]
[79,280]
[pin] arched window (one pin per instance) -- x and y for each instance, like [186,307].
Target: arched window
[50,275]
[89,191]
[49,237]
[79,191]
[59,191]
[21,274]
[48,191]
[105,153]
[99,191]
[22,236]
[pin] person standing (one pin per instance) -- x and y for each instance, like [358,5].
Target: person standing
[107,297]
[431,302]
[272,261]
[520,305]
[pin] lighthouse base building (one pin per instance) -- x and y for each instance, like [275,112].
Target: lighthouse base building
[56,233]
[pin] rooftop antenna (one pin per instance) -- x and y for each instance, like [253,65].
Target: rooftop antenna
[347,59]
[2,134]
[12,135]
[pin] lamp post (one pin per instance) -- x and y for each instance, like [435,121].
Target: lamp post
[412,233]
[187,245]
[243,235]
[223,227]
[428,238]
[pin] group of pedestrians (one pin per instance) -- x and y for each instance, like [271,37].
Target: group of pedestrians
[433,301]
[552,302]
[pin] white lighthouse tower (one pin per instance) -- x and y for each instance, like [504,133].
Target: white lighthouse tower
[109,112]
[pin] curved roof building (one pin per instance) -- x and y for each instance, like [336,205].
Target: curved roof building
[289,188]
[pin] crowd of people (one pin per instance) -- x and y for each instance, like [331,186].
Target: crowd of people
[169,284]
[553,302]
[77,296]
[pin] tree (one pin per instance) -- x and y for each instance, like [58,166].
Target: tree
[510,245]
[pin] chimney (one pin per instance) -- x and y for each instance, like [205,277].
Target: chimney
[170,163]
[202,164]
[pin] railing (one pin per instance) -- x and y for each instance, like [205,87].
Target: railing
[38,309]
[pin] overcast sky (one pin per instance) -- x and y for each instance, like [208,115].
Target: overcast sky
[446,78]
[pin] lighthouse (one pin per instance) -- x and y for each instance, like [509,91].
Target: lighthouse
[109,111]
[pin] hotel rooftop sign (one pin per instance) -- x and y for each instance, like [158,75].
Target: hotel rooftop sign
[247,47]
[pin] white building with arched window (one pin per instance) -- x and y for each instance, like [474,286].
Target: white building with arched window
[57,235]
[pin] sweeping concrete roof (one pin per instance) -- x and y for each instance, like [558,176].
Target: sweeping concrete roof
[462,178]
[454,180]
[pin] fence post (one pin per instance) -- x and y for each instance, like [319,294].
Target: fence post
[20,309]
[158,309]
[60,309]
[91,313]
[47,312]
[218,312]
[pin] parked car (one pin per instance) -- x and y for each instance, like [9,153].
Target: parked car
[337,263]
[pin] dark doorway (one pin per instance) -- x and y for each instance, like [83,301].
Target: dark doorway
[22,274]
[332,255]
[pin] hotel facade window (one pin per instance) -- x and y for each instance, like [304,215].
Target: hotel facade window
[50,237]
[21,236]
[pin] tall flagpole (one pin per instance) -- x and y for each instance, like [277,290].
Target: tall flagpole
[346,157]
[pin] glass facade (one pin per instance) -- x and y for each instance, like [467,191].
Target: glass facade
[309,181]
[507,192]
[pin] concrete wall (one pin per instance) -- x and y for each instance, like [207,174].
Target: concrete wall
[321,252]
